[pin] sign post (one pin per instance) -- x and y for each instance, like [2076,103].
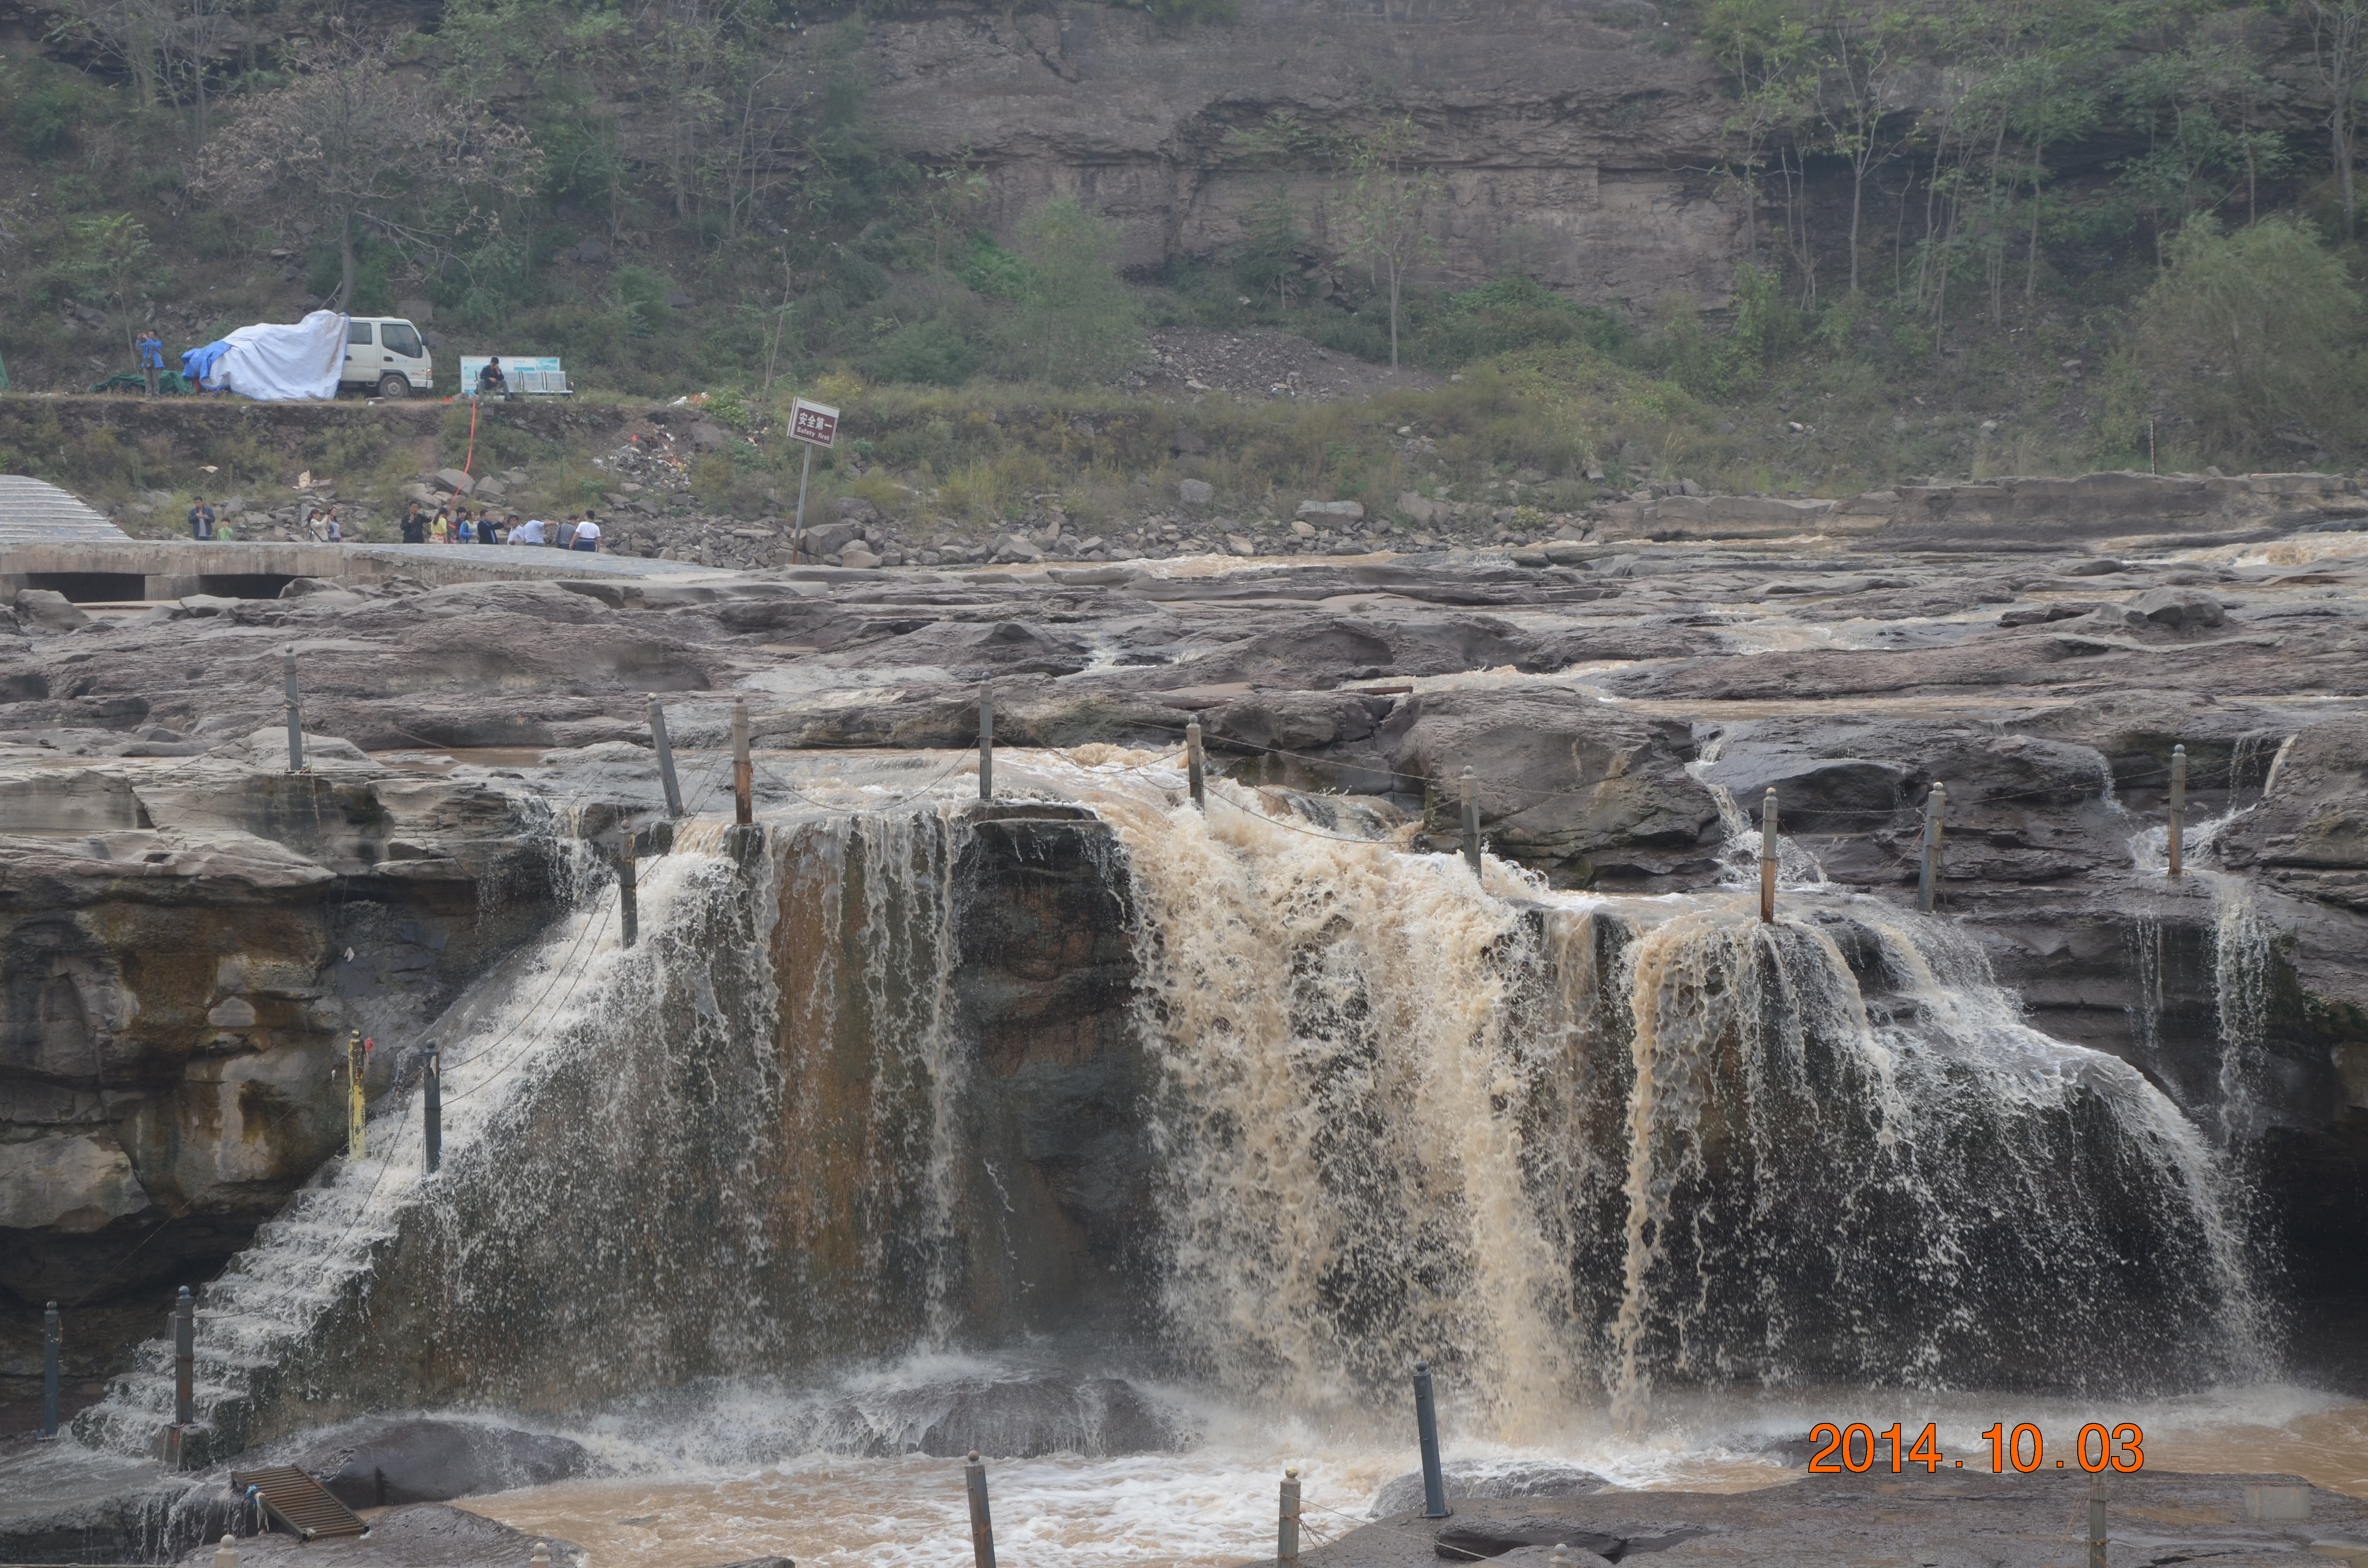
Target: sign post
[815,423]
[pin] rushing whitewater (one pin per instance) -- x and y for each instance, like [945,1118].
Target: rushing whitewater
[1573,1146]
[860,1094]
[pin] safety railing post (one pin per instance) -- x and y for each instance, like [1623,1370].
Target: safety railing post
[1927,883]
[987,740]
[1195,769]
[1426,1426]
[1470,787]
[295,712]
[629,899]
[357,1072]
[53,1345]
[664,748]
[744,771]
[2178,809]
[184,1358]
[1286,1530]
[1768,856]
[431,1100]
[982,1526]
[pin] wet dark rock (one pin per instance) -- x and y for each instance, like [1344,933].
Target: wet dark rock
[1472,1479]
[422,1535]
[1595,794]
[1952,1520]
[384,1462]
[1012,1419]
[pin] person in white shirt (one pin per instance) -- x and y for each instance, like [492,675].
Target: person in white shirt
[588,535]
[528,532]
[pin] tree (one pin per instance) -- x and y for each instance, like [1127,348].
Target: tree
[363,146]
[2339,50]
[1269,255]
[1766,49]
[1853,100]
[1078,322]
[1384,209]
[162,44]
[110,256]
[2252,335]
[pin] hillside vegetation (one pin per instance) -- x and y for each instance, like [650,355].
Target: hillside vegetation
[1986,236]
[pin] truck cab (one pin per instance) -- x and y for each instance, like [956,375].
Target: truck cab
[386,356]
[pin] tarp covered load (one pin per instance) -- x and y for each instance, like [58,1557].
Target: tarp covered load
[274,364]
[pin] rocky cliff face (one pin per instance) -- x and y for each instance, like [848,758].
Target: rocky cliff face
[1570,134]
[187,945]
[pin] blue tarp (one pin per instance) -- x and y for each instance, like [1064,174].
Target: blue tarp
[198,362]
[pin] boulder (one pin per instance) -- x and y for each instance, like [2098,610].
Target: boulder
[855,509]
[1195,491]
[387,1462]
[1597,794]
[73,1184]
[1240,544]
[828,538]
[854,555]
[45,610]
[1332,511]
[1017,547]
[2179,610]
[490,488]
[451,480]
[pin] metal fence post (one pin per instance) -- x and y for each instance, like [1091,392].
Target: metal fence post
[629,897]
[664,748]
[2096,1524]
[744,771]
[1768,856]
[987,740]
[1426,1424]
[1195,770]
[2177,808]
[1928,885]
[432,1103]
[982,1527]
[184,1358]
[357,1056]
[1471,821]
[51,1345]
[1286,1537]
[295,712]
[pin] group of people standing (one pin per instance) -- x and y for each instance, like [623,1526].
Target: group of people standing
[465,525]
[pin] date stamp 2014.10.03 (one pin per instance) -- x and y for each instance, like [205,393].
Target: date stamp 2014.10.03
[1859,1448]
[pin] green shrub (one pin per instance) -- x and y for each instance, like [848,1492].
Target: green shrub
[2252,335]
[1510,313]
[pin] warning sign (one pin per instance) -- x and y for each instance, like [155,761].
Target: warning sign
[815,423]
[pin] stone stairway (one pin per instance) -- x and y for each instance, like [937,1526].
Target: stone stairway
[34,513]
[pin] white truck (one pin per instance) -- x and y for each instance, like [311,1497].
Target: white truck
[386,354]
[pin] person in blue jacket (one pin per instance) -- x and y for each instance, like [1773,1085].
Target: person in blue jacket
[152,359]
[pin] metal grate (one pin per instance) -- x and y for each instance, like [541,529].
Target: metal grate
[299,1503]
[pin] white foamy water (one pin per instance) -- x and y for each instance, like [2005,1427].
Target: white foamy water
[733,1482]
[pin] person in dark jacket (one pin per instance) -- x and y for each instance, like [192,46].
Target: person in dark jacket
[201,519]
[415,524]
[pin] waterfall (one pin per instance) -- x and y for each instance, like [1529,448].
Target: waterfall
[1569,1146]
[682,1160]
[1256,1097]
